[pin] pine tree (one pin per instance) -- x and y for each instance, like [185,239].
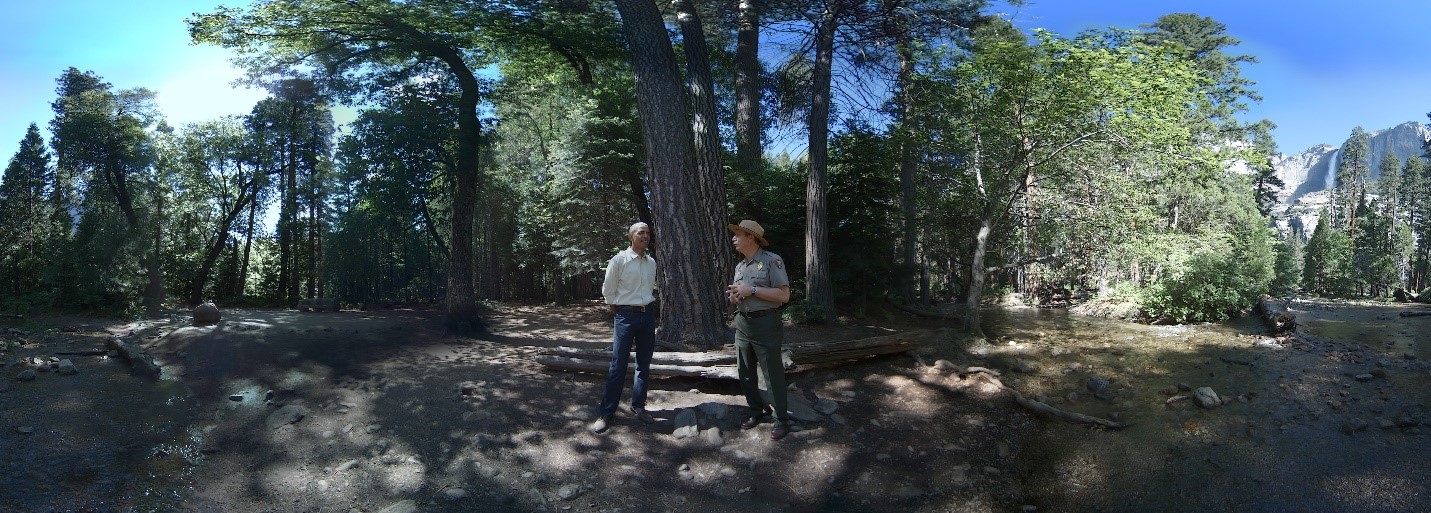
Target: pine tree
[24,215]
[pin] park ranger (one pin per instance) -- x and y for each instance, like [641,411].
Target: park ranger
[760,286]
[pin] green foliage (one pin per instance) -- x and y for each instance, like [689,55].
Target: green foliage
[862,213]
[1327,268]
[807,312]
[1222,273]
[25,224]
[1287,264]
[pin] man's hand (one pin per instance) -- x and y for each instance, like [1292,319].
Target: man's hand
[732,293]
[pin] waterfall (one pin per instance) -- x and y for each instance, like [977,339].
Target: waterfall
[1331,179]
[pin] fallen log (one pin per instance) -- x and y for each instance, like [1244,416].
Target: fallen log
[1415,314]
[600,366]
[139,362]
[84,352]
[934,314]
[1045,408]
[1276,315]
[679,363]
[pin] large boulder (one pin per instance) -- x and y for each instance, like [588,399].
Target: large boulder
[206,314]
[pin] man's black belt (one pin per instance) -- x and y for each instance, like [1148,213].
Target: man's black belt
[758,313]
[636,308]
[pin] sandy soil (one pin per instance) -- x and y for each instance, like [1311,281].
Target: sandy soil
[377,411]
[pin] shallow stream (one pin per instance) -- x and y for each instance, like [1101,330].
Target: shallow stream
[1333,419]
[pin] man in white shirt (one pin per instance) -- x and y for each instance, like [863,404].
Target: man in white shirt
[629,290]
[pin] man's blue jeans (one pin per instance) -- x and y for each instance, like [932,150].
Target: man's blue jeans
[636,329]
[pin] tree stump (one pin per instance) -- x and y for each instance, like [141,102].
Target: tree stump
[206,314]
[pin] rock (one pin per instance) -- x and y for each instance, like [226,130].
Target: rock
[1096,383]
[800,408]
[1024,367]
[945,365]
[826,406]
[236,397]
[454,493]
[1363,377]
[1206,397]
[207,314]
[686,424]
[908,492]
[467,388]
[26,375]
[1378,372]
[569,491]
[1184,387]
[713,437]
[1355,426]
[286,415]
[25,430]
[403,506]
[66,368]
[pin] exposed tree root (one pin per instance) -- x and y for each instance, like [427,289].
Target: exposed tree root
[991,377]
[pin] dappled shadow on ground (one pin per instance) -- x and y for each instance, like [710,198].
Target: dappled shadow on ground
[474,425]
[369,410]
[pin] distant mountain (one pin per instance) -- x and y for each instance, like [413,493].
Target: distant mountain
[1309,174]
[1314,169]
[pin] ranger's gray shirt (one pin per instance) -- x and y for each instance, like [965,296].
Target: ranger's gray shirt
[764,270]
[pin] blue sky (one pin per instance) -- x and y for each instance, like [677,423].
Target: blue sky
[1325,67]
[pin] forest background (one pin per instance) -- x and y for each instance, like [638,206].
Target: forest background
[500,150]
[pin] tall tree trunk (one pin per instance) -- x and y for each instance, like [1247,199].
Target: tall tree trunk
[910,266]
[976,275]
[463,318]
[818,288]
[154,292]
[288,213]
[690,311]
[247,249]
[221,235]
[313,227]
[710,176]
[749,155]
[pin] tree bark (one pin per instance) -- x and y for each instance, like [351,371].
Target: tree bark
[710,175]
[196,286]
[818,288]
[1277,316]
[689,291]
[463,318]
[907,164]
[749,154]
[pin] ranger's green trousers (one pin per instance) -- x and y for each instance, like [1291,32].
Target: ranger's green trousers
[758,341]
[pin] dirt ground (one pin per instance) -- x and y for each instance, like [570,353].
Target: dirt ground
[377,411]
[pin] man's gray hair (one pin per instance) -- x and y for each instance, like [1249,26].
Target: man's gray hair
[632,229]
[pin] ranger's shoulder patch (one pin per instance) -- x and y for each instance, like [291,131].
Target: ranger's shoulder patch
[778,263]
